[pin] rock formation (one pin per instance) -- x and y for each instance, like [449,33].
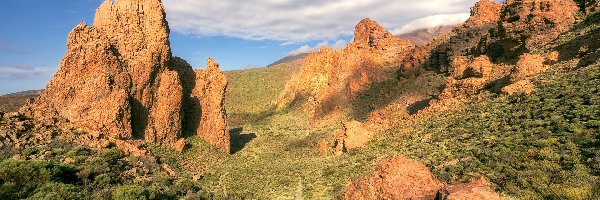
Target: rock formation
[328,80]
[352,135]
[484,12]
[210,88]
[118,78]
[469,77]
[523,21]
[397,178]
[404,178]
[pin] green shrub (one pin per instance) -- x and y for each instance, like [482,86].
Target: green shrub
[131,192]
[56,191]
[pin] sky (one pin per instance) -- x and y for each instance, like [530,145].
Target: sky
[238,34]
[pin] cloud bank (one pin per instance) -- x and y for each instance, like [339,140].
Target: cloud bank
[307,49]
[307,20]
[17,72]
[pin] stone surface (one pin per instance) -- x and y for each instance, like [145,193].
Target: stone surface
[397,178]
[528,66]
[484,12]
[469,77]
[210,91]
[476,189]
[352,135]
[528,24]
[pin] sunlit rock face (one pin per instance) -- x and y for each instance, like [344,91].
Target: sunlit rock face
[118,78]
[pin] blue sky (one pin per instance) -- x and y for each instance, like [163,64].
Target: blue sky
[238,34]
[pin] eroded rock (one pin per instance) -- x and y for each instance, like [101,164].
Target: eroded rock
[210,91]
[397,178]
[528,24]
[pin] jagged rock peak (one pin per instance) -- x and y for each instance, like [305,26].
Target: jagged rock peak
[484,12]
[368,34]
[211,85]
[135,25]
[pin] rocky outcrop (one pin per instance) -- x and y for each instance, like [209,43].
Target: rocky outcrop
[528,66]
[118,78]
[484,12]
[368,34]
[476,189]
[352,135]
[528,24]
[210,90]
[90,89]
[469,77]
[404,178]
[397,178]
[328,80]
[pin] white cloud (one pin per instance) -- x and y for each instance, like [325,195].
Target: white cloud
[25,71]
[299,21]
[307,49]
[432,21]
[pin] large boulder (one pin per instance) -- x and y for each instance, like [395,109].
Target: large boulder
[397,178]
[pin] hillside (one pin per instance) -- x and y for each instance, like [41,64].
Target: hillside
[12,102]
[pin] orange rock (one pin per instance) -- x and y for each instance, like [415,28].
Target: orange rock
[469,77]
[528,66]
[210,91]
[323,148]
[476,189]
[119,78]
[553,56]
[397,178]
[536,22]
[329,80]
[522,86]
[180,145]
[352,135]
[484,12]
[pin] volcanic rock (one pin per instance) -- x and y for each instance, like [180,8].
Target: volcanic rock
[119,78]
[528,66]
[90,88]
[328,80]
[484,12]
[397,178]
[210,90]
[476,189]
[527,24]
[352,135]
[469,77]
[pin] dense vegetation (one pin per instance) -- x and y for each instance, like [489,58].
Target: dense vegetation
[82,173]
[546,145]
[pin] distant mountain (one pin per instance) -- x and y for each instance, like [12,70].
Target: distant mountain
[424,36]
[12,102]
[290,59]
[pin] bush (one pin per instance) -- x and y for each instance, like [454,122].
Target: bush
[56,191]
[131,192]
[20,178]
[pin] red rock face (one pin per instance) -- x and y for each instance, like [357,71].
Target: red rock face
[210,90]
[484,12]
[397,178]
[531,23]
[403,178]
[89,88]
[329,80]
[118,78]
